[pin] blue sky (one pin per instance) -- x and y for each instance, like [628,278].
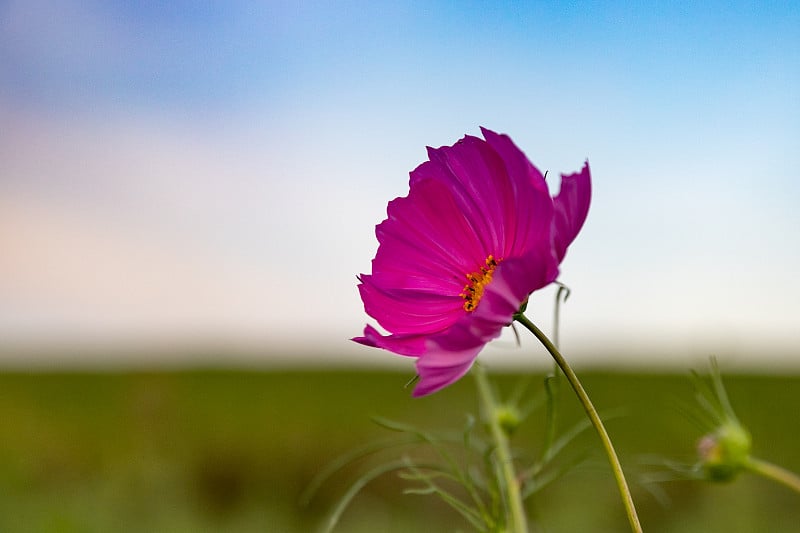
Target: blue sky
[212,172]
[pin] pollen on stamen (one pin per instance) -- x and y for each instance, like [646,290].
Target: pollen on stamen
[477,281]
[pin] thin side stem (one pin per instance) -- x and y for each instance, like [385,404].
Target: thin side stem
[616,467]
[553,384]
[775,473]
[519,522]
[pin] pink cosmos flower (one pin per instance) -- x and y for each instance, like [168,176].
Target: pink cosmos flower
[476,235]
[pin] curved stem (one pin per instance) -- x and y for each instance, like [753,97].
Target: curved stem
[622,485]
[519,522]
[775,473]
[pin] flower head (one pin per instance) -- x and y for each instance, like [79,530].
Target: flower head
[457,257]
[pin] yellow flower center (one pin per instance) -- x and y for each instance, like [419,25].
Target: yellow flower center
[477,281]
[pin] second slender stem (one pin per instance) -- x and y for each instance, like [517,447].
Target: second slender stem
[518,520]
[775,473]
[591,412]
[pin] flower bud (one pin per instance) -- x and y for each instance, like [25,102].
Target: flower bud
[508,417]
[725,452]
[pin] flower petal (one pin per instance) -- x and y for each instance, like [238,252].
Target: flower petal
[430,226]
[571,207]
[480,185]
[410,345]
[404,311]
[440,368]
[532,208]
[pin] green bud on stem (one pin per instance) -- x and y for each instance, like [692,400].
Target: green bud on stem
[725,452]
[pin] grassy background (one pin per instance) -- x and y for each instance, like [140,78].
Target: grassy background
[232,451]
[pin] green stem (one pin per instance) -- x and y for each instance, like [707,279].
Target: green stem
[553,383]
[622,485]
[518,521]
[775,473]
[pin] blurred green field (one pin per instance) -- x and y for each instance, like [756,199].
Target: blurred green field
[195,451]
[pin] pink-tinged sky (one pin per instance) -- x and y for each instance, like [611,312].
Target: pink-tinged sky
[209,176]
